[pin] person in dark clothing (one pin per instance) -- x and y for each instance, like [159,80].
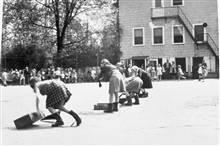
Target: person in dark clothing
[147,84]
[167,66]
[27,75]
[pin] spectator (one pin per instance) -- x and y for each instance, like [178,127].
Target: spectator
[159,72]
[200,71]
[167,67]
[4,77]
[27,75]
[22,78]
[173,70]
[204,70]
[180,73]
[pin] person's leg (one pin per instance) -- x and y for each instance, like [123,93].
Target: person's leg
[72,113]
[115,104]
[129,100]
[110,105]
[59,121]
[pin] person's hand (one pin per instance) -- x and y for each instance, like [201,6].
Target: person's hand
[100,84]
[40,113]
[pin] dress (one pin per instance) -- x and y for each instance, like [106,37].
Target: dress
[56,92]
[116,82]
[134,84]
[159,71]
[145,78]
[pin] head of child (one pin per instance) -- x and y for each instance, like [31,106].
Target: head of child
[105,62]
[134,70]
[179,66]
[33,81]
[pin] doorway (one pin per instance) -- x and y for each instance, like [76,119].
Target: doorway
[196,61]
[182,62]
[138,62]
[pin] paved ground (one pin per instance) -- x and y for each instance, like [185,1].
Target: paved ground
[185,112]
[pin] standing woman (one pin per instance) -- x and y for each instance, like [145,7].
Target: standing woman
[57,96]
[116,83]
[173,70]
[159,72]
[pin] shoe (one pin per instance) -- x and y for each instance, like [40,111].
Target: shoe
[110,108]
[129,103]
[76,117]
[59,121]
[122,101]
[136,100]
[115,107]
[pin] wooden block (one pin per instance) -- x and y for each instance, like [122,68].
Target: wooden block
[27,120]
[101,106]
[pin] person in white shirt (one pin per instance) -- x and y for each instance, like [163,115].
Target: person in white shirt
[180,73]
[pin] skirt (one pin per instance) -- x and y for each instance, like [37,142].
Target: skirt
[116,83]
[147,83]
[57,92]
[134,85]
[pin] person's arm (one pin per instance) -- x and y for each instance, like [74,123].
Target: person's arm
[37,91]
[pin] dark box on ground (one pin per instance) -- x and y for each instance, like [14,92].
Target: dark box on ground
[101,106]
[27,120]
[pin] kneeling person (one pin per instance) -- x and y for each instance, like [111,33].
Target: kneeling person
[133,86]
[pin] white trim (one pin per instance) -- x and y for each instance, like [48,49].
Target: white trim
[204,29]
[143,36]
[162,35]
[173,34]
[176,5]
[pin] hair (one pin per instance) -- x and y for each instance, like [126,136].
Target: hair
[105,62]
[33,81]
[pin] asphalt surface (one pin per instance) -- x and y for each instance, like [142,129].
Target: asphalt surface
[175,113]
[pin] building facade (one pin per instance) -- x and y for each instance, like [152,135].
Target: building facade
[183,31]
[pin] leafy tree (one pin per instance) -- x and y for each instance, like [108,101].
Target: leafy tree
[21,56]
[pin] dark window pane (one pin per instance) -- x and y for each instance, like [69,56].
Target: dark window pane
[178,39]
[138,41]
[157,3]
[138,36]
[158,39]
[158,36]
[177,2]
[178,34]
[199,33]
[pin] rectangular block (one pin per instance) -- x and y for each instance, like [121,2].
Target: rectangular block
[27,120]
[101,106]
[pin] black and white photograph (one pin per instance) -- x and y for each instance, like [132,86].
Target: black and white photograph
[109,72]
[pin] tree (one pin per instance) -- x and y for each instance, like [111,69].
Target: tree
[21,56]
[60,15]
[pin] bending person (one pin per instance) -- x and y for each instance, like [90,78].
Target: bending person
[116,83]
[147,84]
[57,96]
[133,86]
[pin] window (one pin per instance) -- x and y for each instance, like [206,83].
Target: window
[158,3]
[178,35]
[199,32]
[138,36]
[158,36]
[177,2]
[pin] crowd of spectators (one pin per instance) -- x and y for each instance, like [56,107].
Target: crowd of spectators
[67,75]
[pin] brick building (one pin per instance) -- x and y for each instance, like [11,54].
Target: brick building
[183,31]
